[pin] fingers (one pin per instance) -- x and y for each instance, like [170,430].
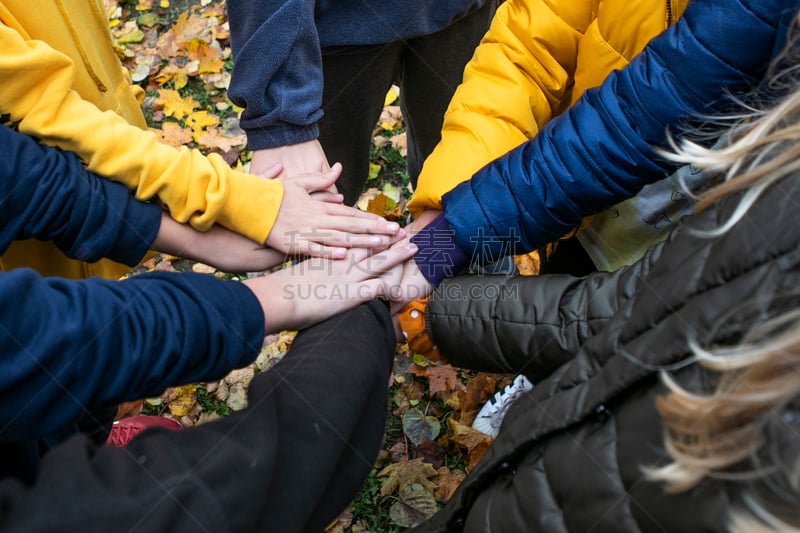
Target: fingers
[331,197]
[271,172]
[325,181]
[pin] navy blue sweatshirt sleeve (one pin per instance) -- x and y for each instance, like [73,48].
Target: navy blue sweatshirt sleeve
[600,151]
[48,195]
[72,345]
[277,74]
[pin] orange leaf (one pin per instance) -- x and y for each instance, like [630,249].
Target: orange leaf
[173,134]
[441,378]
[211,138]
[463,436]
[189,27]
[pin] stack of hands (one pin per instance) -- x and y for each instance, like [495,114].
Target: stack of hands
[350,256]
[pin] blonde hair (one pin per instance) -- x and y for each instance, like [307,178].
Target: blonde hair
[747,430]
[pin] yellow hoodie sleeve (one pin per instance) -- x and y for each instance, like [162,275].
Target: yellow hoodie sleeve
[37,95]
[519,77]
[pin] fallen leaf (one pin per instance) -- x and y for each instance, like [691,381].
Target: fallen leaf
[173,134]
[407,473]
[447,481]
[212,138]
[415,505]
[175,105]
[441,378]
[180,400]
[418,427]
[473,441]
[527,264]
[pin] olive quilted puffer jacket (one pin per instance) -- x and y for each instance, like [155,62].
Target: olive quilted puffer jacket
[569,454]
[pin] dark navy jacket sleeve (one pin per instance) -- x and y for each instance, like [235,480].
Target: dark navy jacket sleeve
[48,195]
[600,151]
[70,345]
[277,76]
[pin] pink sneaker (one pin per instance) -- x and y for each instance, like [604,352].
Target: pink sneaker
[122,431]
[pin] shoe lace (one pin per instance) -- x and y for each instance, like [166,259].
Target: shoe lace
[500,403]
[122,434]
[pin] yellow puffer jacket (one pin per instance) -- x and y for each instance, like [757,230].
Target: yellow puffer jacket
[537,58]
[62,83]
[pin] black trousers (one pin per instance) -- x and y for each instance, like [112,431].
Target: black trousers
[291,461]
[427,69]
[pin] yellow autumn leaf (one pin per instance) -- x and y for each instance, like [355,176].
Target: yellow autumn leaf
[391,95]
[175,105]
[164,3]
[180,400]
[177,75]
[199,120]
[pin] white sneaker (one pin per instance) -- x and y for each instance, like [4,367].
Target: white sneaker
[491,415]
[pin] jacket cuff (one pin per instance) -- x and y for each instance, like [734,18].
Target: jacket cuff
[252,205]
[138,233]
[438,256]
[283,135]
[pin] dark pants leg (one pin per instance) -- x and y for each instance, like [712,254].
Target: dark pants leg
[433,67]
[428,70]
[332,394]
[288,463]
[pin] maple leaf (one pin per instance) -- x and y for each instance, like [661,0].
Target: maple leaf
[404,474]
[176,105]
[173,134]
[199,120]
[188,27]
[527,264]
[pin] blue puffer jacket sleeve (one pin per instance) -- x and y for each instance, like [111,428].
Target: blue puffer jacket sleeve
[600,151]
[47,194]
[278,73]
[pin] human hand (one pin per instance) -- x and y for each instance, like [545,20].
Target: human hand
[317,289]
[296,159]
[218,247]
[408,284]
[306,226]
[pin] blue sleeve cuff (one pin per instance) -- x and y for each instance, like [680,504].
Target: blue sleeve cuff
[438,256]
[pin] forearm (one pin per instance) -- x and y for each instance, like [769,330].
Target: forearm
[195,189]
[277,76]
[97,342]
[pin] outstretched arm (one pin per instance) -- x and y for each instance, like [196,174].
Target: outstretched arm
[601,150]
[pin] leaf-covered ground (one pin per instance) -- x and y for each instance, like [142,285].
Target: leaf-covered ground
[179,52]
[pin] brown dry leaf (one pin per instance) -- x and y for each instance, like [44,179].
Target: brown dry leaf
[478,390]
[415,505]
[391,118]
[377,204]
[173,134]
[447,481]
[400,143]
[188,27]
[404,474]
[441,378]
[212,138]
[180,400]
[463,436]
[127,409]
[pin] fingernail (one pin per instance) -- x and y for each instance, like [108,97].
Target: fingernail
[411,247]
[392,226]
